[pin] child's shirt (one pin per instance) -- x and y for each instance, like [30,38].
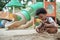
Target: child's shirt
[50,20]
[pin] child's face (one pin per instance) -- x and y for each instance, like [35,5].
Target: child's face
[42,16]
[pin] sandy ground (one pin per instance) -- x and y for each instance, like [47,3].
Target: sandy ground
[25,35]
[29,37]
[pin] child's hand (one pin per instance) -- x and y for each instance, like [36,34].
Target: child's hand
[40,30]
[37,30]
[46,25]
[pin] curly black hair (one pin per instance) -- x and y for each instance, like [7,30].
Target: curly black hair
[41,11]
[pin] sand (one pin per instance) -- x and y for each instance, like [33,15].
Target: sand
[35,36]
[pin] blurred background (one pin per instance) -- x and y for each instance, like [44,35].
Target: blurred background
[29,2]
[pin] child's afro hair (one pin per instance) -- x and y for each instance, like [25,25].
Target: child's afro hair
[41,11]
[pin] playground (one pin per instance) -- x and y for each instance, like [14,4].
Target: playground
[19,22]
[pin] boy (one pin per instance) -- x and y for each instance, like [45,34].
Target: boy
[48,24]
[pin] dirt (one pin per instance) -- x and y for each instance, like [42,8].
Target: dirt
[35,36]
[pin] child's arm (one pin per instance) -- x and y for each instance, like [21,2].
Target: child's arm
[52,23]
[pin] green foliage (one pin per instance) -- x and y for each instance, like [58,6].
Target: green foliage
[58,10]
[39,0]
[2,3]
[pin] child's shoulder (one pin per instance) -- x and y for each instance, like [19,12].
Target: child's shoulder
[50,19]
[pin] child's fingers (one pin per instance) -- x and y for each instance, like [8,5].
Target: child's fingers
[38,30]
